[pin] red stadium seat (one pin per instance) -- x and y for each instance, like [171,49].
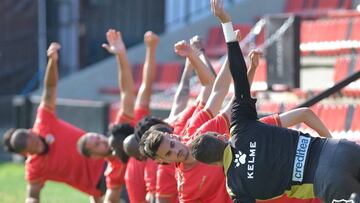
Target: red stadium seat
[341,68]
[328,4]
[169,75]
[294,5]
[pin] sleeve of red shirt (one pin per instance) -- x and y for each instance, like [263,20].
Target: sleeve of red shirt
[114,173]
[33,170]
[121,117]
[273,119]
[166,185]
[196,122]
[219,124]
[181,120]
[150,175]
[43,121]
[140,112]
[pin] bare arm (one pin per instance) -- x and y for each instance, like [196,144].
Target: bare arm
[198,46]
[182,92]
[307,116]
[220,89]
[254,63]
[51,78]
[126,82]
[112,195]
[206,77]
[151,41]
[222,84]
[33,192]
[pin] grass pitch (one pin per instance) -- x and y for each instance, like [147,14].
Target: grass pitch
[13,188]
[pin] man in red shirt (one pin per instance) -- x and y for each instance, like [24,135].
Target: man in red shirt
[50,146]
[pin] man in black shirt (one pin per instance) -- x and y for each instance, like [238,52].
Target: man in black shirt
[262,161]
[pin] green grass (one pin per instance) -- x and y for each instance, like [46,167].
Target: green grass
[13,186]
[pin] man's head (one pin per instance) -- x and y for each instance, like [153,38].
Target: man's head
[94,145]
[23,141]
[159,127]
[209,148]
[117,135]
[165,147]
[131,147]
[146,123]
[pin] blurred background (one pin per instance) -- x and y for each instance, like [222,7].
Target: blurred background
[310,55]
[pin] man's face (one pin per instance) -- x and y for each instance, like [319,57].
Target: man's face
[97,145]
[34,145]
[171,149]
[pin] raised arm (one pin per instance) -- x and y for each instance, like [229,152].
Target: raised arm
[307,116]
[204,73]
[33,192]
[182,92]
[254,63]
[151,41]
[198,46]
[126,82]
[206,77]
[221,85]
[236,60]
[51,78]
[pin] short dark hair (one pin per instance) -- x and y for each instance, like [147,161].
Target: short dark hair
[18,140]
[145,124]
[152,142]
[159,127]
[81,146]
[117,134]
[207,148]
[6,140]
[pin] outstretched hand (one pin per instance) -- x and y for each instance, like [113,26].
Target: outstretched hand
[197,43]
[151,39]
[255,57]
[217,7]
[182,48]
[115,43]
[52,51]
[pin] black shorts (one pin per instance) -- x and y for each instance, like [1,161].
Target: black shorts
[338,173]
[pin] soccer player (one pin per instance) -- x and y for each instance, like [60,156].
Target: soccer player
[50,146]
[131,110]
[263,161]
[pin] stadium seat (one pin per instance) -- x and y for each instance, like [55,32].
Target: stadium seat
[170,75]
[341,68]
[294,5]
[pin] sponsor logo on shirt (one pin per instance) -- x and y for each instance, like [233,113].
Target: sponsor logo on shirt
[241,158]
[300,158]
[342,201]
[49,139]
